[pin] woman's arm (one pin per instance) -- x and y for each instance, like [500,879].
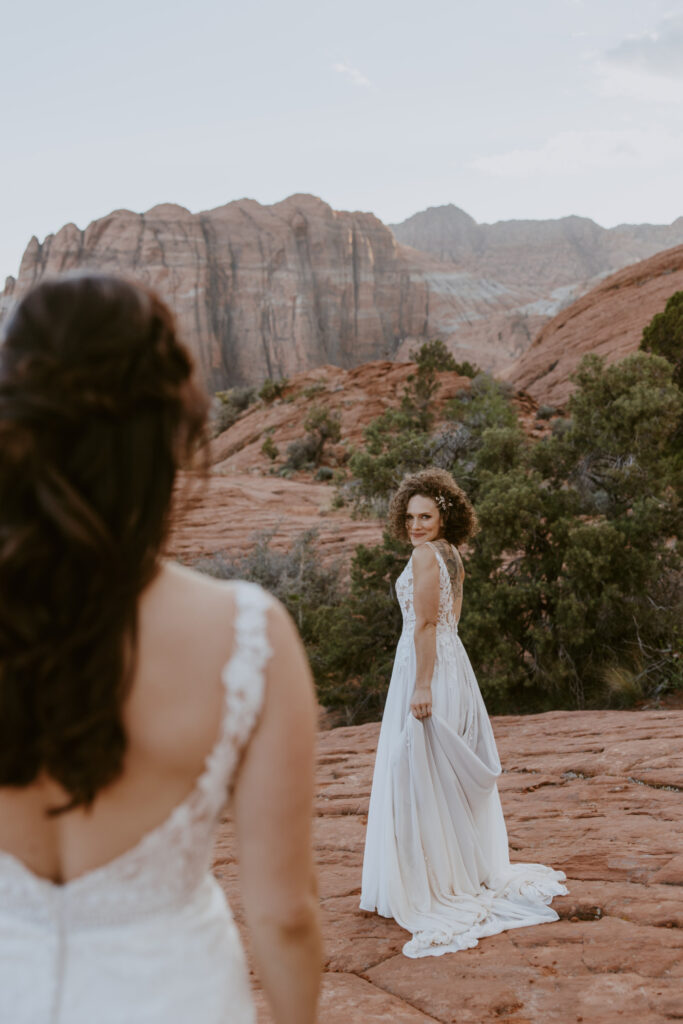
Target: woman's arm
[273,810]
[426,605]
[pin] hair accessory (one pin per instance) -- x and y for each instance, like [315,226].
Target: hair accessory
[443,502]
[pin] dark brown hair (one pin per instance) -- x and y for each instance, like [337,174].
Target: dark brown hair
[458,516]
[98,407]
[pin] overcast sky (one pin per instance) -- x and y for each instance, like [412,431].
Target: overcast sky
[533,109]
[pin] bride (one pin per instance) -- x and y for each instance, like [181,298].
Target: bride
[136,696]
[436,851]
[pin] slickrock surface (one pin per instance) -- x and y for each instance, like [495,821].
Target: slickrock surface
[597,794]
[228,512]
[609,321]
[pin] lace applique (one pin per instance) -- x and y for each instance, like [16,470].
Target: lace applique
[169,863]
[451,576]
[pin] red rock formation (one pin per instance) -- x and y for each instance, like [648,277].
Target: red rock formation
[609,321]
[596,793]
[268,291]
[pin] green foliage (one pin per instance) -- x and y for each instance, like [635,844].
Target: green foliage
[321,426]
[664,336]
[272,389]
[433,355]
[467,369]
[228,405]
[270,449]
[357,637]
[573,595]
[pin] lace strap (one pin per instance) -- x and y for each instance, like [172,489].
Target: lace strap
[243,678]
[244,674]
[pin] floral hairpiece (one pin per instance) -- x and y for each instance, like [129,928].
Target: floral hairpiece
[443,502]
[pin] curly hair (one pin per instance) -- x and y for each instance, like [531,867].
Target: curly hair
[457,515]
[99,407]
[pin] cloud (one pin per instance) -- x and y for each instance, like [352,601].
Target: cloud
[646,67]
[356,76]
[656,53]
[577,152]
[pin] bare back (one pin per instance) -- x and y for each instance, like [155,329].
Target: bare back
[456,572]
[171,718]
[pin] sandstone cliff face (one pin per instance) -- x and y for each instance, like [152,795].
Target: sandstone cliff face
[268,291]
[609,321]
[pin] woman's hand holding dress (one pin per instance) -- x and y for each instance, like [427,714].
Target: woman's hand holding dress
[426,606]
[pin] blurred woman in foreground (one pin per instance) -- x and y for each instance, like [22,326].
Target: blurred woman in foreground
[135,696]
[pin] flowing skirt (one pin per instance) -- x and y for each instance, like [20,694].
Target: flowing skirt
[436,851]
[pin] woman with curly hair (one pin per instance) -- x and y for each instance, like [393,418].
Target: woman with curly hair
[136,696]
[436,850]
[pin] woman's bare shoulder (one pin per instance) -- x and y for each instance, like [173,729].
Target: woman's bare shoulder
[188,588]
[423,556]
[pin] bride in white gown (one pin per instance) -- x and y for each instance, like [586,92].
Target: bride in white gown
[436,852]
[136,696]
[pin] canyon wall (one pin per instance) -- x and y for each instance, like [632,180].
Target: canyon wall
[267,291]
[271,291]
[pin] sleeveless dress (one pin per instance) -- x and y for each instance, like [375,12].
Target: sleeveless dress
[436,851]
[147,938]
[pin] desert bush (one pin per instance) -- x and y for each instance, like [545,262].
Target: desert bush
[272,389]
[296,576]
[321,426]
[227,406]
[269,448]
[302,453]
[663,336]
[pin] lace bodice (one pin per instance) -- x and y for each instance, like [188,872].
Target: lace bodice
[450,590]
[163,870]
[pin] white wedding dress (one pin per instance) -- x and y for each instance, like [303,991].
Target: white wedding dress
[148,938]
[436,850]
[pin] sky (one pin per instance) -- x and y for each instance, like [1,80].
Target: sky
[526,110]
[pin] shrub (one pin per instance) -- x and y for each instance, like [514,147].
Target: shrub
[663,336]
[272,389]
[228,405]
[296,576]
[269,448]
[302,453]
[321,426]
